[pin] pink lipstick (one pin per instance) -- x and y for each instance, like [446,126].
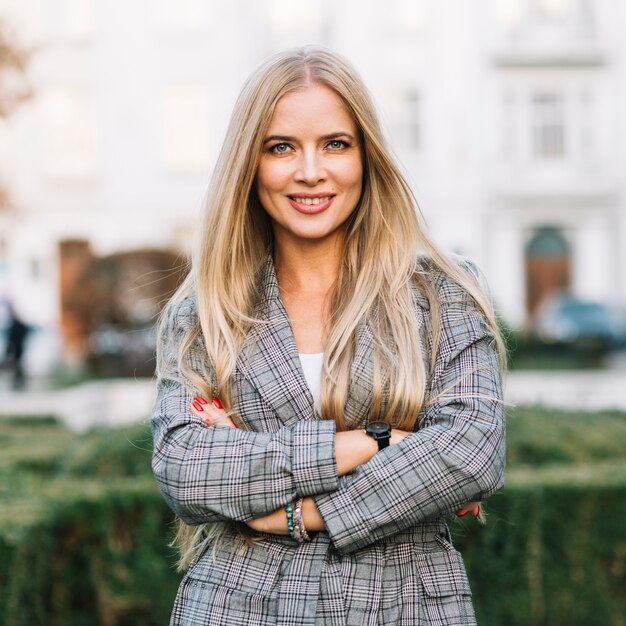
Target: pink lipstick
[311,204]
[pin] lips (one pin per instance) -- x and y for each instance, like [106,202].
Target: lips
[311,204]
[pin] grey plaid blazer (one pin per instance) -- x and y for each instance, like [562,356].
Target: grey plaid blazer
[386,556]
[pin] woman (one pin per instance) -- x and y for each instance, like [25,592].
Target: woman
[329,382]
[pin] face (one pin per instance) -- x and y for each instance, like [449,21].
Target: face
[310,174]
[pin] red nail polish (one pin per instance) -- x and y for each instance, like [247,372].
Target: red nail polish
[217,404]
[200,399]
[477,511]
[197,406]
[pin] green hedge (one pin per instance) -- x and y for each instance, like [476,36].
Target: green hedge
[97,555]
[527,351]
[553,550]
[538,436]
[84,533]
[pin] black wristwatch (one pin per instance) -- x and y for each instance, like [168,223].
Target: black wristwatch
[379,431]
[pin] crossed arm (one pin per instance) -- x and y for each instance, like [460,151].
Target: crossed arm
[224,473]
[352,448]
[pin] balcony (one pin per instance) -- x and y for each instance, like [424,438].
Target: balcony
[565,186]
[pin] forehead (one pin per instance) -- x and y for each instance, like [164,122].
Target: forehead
[316,109]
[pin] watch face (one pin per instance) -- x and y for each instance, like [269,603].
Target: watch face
[378,428]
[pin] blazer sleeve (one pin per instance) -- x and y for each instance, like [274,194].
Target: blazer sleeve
[220,473]
[456,456]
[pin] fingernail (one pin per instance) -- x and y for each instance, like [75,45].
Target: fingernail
[476,511]
[201,400]
[463,514]
[197,406]
[217,404]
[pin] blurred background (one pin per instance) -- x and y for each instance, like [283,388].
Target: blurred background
[509,119]
[508,116]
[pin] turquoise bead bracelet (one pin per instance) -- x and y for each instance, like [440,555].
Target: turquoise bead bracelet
[289,511]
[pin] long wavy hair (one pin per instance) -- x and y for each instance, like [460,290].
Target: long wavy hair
[383,237]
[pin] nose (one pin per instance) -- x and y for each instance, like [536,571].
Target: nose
[310,168]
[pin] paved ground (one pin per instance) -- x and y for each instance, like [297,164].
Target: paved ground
[585,390]
[122,401]
[98,403]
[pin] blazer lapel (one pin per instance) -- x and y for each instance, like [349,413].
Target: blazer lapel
[271,363]
[270,358]
[360,395]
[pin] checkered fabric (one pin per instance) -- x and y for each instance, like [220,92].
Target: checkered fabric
[386,557]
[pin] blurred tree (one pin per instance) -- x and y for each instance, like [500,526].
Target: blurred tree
[14,86]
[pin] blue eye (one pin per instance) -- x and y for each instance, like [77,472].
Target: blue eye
[337,144]
[280,148]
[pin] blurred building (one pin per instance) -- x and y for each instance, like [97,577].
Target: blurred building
[507,116]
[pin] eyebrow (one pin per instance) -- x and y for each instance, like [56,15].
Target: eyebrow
[330,136]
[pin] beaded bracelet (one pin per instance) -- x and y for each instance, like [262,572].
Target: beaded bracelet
[289,511]
[298,523]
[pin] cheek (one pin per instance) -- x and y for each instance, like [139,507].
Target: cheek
[271,178]
[262,181]
[269,184]
[351,176]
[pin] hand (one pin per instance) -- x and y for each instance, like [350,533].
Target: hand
[212,414]
[470,507]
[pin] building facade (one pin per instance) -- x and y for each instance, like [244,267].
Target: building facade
[506,116]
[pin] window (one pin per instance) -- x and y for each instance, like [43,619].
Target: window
[185,144]
[69,132]
[548,125]
[34,266]
[586,17]
[547,241]
[587,126]
[508,147]
[411,120]
[404,110]
[551,127]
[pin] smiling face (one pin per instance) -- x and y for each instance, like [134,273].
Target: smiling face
[310,173]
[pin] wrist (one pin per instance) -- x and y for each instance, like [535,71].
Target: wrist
[312,517]
[353,448]
[398,435]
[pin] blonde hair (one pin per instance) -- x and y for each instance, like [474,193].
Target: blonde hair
[374,285]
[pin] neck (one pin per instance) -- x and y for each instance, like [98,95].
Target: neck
[307,268]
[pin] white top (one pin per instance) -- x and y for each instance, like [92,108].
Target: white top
[312,368]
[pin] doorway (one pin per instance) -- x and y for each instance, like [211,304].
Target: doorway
[548,266]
